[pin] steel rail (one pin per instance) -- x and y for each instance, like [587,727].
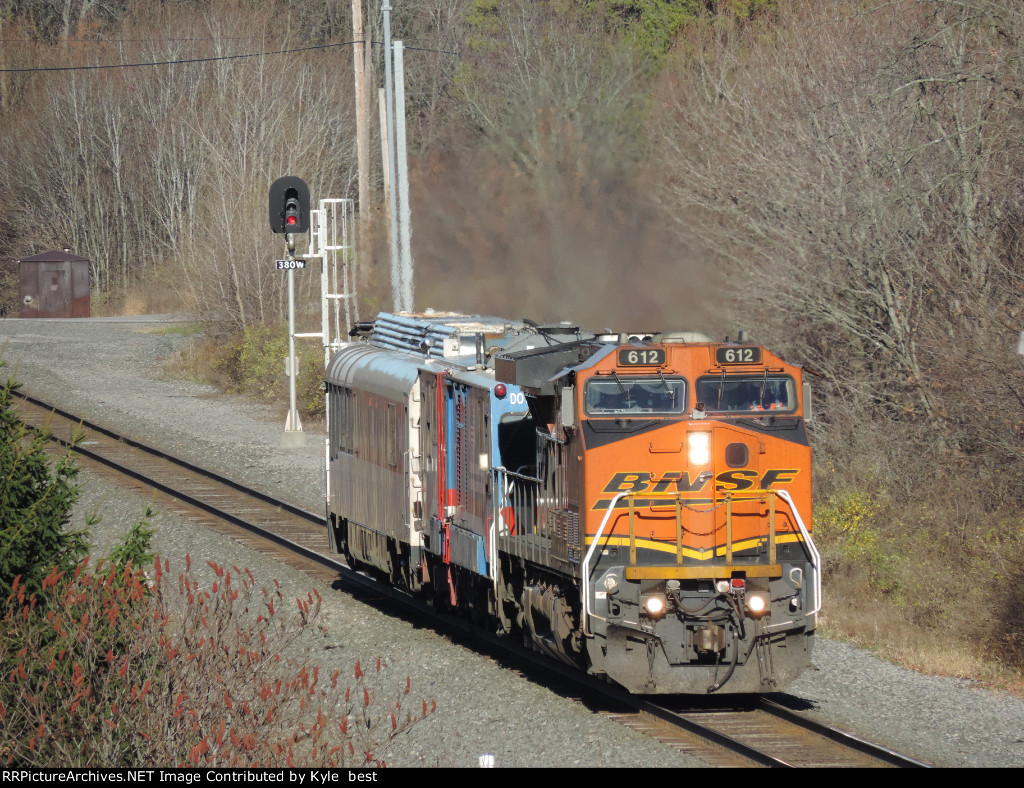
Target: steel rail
[154,452]
[841,737]
[442,620]
[188,498]
[715,737]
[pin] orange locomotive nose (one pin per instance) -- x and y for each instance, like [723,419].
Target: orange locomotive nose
[685,509]
[695,472]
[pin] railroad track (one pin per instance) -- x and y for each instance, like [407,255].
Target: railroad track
[746,733]
[760,731]
[187,489]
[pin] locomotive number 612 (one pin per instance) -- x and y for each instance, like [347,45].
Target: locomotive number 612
[647,357]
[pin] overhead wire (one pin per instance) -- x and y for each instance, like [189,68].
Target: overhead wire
[189,61]
[186,61]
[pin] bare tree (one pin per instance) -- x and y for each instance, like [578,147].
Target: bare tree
[856,171]
[170,165]
[532,193]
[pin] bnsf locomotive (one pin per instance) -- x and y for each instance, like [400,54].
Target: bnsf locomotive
[637,506]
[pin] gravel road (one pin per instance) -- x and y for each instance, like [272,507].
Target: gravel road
[111,371]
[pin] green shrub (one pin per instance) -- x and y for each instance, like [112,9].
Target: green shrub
[261,361]
[133,551]
[849,530]
[843,522]
[36,499]
[255,363]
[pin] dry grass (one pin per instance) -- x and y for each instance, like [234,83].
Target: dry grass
[136,304]
[884,629]
[157,294]
[198,362]
[252,364]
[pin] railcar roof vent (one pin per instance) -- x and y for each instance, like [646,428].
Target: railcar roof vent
[447,335]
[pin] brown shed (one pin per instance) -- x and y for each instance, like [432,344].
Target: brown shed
[54,284]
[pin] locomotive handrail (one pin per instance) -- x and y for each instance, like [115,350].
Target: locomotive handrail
[812,552]
[508,497]
[491,524]
[677,499]
[586,563]
[525,477]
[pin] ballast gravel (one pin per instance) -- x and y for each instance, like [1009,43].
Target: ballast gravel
[111,371]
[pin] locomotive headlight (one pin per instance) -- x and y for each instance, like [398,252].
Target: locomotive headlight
[757,605]
[655,605]
[700,447]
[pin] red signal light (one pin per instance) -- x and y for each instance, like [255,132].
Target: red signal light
[500,391]
[292,214]
[289,205]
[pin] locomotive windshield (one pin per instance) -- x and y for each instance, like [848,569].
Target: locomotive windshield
[631,395]
[733,393]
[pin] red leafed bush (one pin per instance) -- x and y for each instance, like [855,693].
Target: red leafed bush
[114,667]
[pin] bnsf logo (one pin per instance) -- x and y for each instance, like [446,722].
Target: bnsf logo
[639,482]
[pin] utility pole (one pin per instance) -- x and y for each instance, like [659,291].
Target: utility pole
[385,154]
[360,67]
[402,158]
[396,273]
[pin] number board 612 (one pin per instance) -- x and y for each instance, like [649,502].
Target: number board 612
[641,357]
[738,355]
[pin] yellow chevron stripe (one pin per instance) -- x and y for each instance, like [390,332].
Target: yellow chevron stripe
[688,552]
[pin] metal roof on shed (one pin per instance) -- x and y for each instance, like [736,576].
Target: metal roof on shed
[56,256]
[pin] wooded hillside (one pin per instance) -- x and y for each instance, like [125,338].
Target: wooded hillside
[841,178]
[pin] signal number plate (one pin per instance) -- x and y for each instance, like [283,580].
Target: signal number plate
[646,357]
[738,355]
